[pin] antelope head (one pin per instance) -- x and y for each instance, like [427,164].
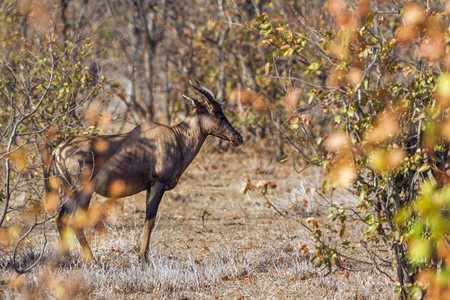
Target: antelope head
[213,120]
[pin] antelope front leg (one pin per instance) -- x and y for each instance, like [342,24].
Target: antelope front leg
[154,196]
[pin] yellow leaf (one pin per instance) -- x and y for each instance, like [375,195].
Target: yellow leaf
[337,142]
[386,161]
[386,127]
[343,172]
[413,15]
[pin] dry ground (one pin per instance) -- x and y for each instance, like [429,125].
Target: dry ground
[210,242]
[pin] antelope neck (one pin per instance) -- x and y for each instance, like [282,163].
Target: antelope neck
[190,136]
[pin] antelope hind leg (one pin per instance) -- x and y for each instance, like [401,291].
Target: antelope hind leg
[67,225]
[61,222]
[86,252]
[64,233]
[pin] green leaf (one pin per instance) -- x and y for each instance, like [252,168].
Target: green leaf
[419,251]
[366,84]
[313,68]
[260,19]
[371,16]
[287,51]
[331,213]
[414,292]
[397,288]
[369,219]
[266,29]
[337,119]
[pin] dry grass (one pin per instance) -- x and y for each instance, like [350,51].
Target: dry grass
[210,241]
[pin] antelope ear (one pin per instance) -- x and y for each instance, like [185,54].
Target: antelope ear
[192,101]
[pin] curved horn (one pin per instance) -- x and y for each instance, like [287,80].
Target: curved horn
[207,93]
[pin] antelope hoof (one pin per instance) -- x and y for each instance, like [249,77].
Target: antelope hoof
[87,257]
[90,260]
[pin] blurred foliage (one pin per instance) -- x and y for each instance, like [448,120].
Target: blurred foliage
[428,224]
[45,84]
[379,70]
